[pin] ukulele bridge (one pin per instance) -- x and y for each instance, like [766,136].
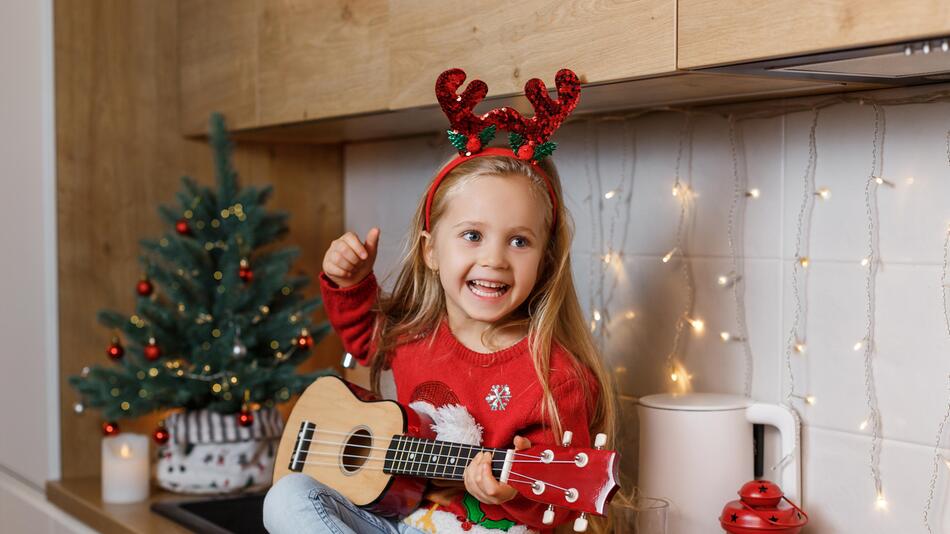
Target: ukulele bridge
[298,457]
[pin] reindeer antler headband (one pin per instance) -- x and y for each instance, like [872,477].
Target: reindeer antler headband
[528,138]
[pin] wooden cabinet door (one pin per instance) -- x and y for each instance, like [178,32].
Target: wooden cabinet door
[720,32]
[506,43]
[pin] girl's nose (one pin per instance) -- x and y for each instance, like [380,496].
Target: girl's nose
[493,256]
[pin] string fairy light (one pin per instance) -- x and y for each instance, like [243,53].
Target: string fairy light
[620,196]
[938,457]
[683,193]
[736,218]
[867,343]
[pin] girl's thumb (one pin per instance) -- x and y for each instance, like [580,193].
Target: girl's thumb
[372,240]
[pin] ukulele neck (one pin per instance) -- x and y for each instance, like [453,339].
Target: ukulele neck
[438,459]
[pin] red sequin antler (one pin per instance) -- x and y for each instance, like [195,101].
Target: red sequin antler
[528,137]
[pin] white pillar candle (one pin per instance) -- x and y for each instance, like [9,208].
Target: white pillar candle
[125,468]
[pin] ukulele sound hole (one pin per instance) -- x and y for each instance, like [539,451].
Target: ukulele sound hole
[356,450]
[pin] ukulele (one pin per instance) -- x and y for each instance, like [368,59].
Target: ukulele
[380,455]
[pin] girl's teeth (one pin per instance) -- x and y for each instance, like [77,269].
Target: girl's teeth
[477,288]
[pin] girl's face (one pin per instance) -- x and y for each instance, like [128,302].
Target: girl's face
[487,247]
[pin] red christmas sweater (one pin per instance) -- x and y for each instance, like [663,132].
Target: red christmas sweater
[499,389]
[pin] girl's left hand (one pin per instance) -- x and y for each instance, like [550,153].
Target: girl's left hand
[482,484]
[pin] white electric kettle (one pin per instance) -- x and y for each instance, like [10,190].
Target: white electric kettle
[696,450]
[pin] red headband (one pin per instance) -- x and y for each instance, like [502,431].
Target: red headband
[491,151]
[528,138]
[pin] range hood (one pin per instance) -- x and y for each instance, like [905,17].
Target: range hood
[912,63]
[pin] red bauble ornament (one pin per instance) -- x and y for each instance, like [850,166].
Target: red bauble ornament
[160,435]
[526,151]
[760,508]
[245,272]
[305,340]
[152,351]
[181,226]
[474,144]
[110,428]
[245,417]
[115,350]
[144,288]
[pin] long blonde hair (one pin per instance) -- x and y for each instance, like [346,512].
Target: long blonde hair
[551,312]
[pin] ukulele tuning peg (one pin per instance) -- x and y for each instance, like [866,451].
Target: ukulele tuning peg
[548,516]
[600,441]
[580,524]
[566,440]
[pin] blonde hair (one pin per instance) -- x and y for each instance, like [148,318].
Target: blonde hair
[551,311]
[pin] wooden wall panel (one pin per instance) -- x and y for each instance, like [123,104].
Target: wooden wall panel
[507,43]
[120,154]
[218,59]
[322,59]
[717,32]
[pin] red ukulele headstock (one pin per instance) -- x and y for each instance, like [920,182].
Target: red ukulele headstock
[582,480]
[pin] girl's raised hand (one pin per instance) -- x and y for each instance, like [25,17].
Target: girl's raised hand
[482,484]
[348,260]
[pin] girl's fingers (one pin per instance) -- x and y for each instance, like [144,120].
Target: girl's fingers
[350,239]
[347,258]
[345,250]
[341,261]
[372,240]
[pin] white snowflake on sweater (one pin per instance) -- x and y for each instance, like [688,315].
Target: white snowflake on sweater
[499,397]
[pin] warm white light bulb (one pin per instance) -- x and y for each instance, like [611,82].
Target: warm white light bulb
[804,261]
[881,502]
[676,190]
[879,180]
[863,425]
[596,315]
[669,256]
[910,180]
[674,377]
[593,325]
[607,257]
[824,193]
[630,314]
[865,262]
[811,400]
[858,346]
[697,324]
[800,347]
[722,280]
[752,193]
[610,194]
[725,336]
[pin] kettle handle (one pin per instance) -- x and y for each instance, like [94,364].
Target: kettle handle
[785,421]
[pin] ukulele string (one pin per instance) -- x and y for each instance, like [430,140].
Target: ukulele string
[413,441]
[379,458]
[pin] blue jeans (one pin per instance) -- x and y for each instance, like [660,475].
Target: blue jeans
[299,504]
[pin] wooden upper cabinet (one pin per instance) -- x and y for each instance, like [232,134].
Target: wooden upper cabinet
[506,43]
[272,62]
[720,32]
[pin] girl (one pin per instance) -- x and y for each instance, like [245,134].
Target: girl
[484,316]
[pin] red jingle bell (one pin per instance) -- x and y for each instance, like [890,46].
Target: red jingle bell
[526,151]
[473,145]
[760,509]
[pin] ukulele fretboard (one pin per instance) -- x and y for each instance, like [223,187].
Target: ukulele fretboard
[435,459]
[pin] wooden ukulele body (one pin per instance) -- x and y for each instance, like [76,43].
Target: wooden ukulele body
[349,458]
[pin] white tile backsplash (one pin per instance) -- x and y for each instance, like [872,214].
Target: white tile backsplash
[384,181]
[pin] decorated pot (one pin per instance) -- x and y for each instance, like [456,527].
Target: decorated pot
[212,453]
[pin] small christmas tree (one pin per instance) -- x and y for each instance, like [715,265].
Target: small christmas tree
[219,323]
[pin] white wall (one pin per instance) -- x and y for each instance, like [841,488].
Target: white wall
[385,179]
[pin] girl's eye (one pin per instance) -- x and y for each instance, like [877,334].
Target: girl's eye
[519,242]
[471,235]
